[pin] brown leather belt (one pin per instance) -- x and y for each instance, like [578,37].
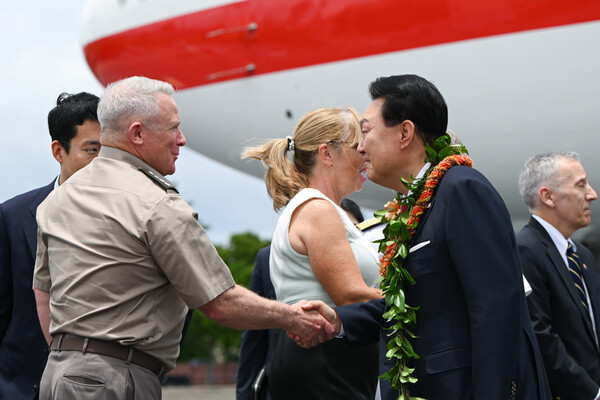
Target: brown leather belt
[66,342]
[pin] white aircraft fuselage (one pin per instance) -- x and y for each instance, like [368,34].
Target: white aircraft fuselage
[519,77]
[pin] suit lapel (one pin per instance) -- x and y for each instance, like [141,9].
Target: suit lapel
[30,224]
[559,265]
[426,213]
[415,237]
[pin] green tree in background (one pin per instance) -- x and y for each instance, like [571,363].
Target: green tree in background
[205,339]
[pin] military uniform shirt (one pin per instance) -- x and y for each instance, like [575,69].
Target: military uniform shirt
[122,255]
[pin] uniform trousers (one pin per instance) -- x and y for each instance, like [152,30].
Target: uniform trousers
[73,375]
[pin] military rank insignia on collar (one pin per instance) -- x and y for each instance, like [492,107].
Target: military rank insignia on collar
[159,180]
[368,224]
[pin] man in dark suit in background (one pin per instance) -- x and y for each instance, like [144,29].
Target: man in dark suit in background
[565,302]
[75,132]
[474,337]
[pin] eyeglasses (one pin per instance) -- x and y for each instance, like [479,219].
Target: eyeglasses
[354,146]
[338,142]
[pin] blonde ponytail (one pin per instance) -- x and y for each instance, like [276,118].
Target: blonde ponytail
[284,179]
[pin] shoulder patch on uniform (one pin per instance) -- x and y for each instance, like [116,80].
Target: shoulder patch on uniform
[368,223]
[163,183]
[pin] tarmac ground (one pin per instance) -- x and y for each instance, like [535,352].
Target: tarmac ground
[200,392]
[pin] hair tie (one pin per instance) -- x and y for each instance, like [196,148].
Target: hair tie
[291,146]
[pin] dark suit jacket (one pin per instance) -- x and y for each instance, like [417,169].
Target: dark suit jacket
[23,349]
[475,339]
[567,341]
[256,349]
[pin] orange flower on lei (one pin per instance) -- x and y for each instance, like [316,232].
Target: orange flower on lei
[384,263]
[393,209]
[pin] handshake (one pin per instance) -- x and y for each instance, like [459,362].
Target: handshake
[312,322]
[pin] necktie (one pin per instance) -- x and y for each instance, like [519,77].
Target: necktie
[577,275]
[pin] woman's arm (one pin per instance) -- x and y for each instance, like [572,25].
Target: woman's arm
[317,230]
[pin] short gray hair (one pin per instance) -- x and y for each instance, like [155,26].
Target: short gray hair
[538,171]
[128,99]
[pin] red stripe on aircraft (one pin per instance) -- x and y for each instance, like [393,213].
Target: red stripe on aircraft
[219,44]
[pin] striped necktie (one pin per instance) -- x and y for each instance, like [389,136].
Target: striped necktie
[577,275]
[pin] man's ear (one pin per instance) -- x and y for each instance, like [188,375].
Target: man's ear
[407,132]
[546,196]
[135,133]
[56,150]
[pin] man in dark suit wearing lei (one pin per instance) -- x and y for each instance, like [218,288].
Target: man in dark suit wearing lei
[472,335]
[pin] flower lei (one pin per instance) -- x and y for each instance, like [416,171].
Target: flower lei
[403,215]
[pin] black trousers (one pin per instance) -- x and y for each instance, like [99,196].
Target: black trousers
[329,371]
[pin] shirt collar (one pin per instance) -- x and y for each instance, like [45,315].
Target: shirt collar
[124,156]
[557,238]
[422,171]
[421,174]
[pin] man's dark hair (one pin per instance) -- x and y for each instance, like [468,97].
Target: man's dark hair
[71,110]
[410,97]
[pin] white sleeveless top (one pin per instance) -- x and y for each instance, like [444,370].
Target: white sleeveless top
[291,274]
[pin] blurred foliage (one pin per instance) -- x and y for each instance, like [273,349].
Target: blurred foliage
[205,339]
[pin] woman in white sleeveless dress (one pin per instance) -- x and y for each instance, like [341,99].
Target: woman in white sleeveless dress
[318,254]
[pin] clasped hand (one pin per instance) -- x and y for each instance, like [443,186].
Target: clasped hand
[315,322]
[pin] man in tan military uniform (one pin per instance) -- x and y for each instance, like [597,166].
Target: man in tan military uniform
[121,256]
